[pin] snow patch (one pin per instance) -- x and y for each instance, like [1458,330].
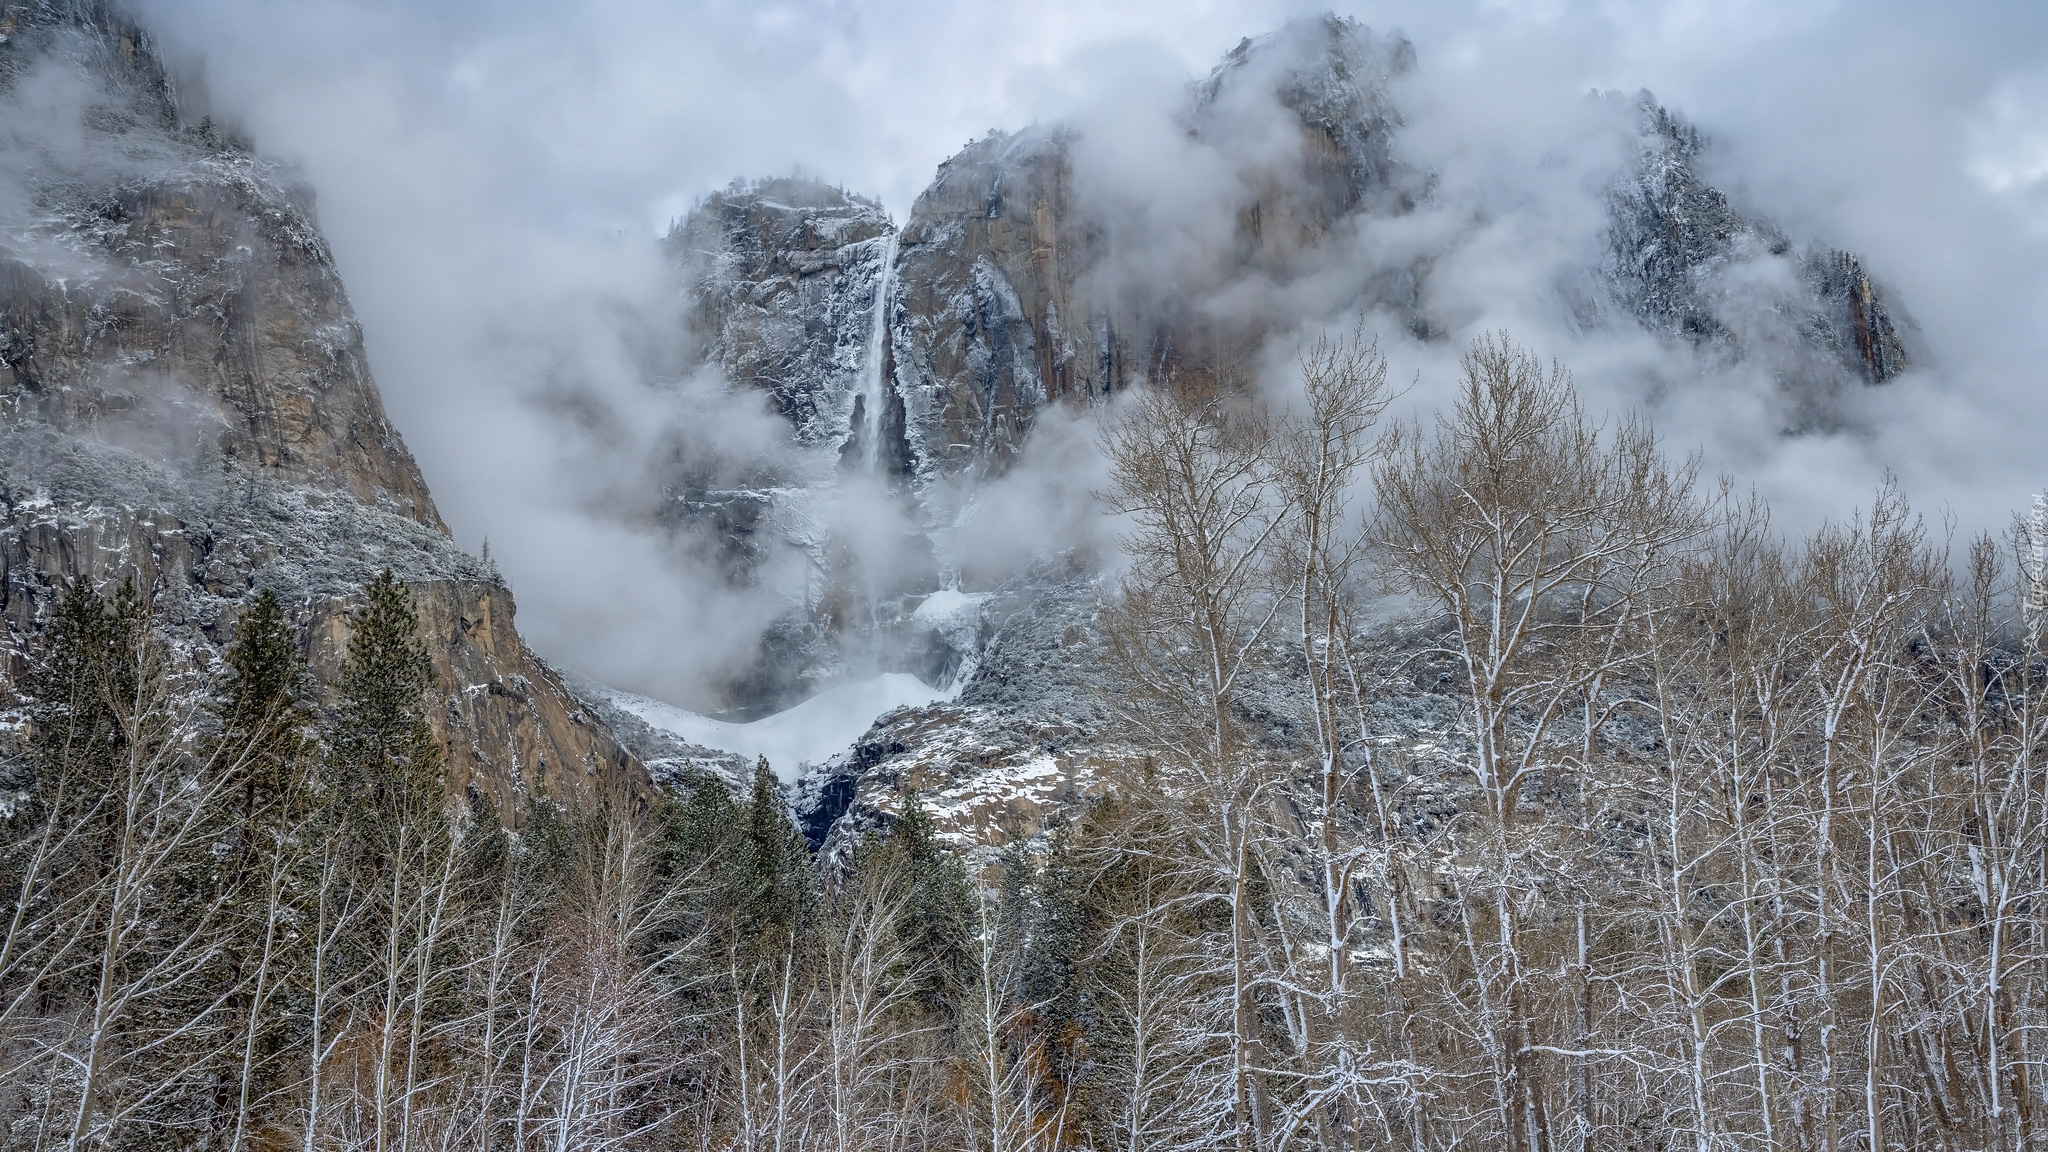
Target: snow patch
[809,733]
[947,606]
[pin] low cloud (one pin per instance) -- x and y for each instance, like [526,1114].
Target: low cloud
[493,181]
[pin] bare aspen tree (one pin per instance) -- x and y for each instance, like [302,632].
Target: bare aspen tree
[1534,532]
[162,812]
[602,1003]
[509,951]
[1991,684]
[1000,1104]
[329,981]
[281,851]
[1870,584]
[870,1033]
[1196,610]
[1167,1031]
[1323,452]
[1723,654]
[1172,1077]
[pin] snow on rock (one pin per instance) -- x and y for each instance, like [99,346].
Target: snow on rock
[952,625]
[1685,262]
[1019,746]
[785,280]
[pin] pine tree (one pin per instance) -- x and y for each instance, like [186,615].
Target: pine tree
[265,869]
[82,675]
[383,749]
[79,678]
[1059,937]
[776,894]
[261,701]
[698,832]
[942,911]
[387,788]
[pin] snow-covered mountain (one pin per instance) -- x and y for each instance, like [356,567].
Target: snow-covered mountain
[920,359]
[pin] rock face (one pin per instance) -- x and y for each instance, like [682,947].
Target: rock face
[786,274]
[1675,240]
[185,402]
[989,328]
[170,286]
[508,723]
[1016,284]
[1007,291]
[923,360]
[1021,744]
[1017,290]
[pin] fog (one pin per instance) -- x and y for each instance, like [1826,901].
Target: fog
[493,178]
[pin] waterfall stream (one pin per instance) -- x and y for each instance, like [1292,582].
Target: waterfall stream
[872,384]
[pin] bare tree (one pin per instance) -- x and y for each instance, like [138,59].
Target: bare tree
[1537,535]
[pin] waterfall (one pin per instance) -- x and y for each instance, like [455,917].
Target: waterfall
[872,386]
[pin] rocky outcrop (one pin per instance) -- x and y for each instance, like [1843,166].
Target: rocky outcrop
[1016,291]
[1022,743]
[989,327]
[1024,278]
[164,288]
[1332,76]
[1006,292]
[201,305]
[784,276]
[1675,240]
[185,403]
[1017,285]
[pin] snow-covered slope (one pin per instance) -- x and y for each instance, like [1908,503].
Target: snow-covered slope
[794,739]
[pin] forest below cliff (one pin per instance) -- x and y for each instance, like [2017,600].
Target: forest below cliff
[1717,840]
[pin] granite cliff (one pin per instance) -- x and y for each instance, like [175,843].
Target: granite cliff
[185,402]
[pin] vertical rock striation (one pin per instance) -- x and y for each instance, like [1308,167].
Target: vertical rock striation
[784,275]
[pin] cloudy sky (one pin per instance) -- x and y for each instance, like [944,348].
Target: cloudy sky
[491,175]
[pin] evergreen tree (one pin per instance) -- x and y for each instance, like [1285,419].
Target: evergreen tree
[776,887]
[264,870]
[114,913]
[387,789]
[261,700]
[81,674]
[698,833]
[939,925]
[81,679]
[383,749]
[1059,938]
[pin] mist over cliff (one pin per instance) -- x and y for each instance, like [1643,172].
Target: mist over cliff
[495,186]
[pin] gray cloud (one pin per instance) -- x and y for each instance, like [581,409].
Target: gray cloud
[491,178]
